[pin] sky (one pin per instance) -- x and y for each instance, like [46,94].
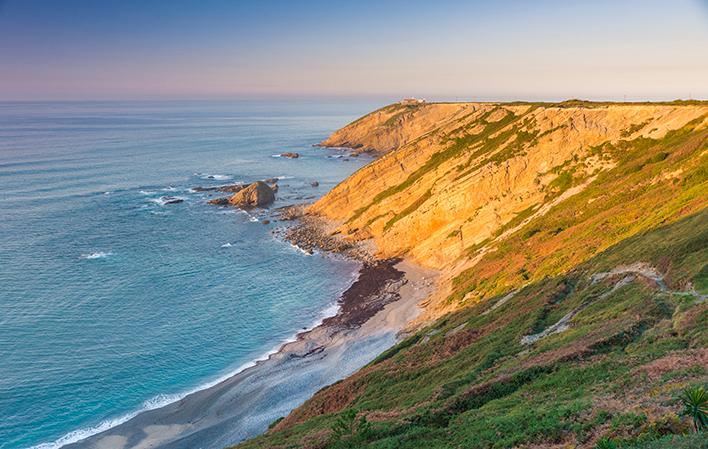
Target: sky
[436,49]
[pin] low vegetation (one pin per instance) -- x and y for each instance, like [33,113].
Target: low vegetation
[582,327]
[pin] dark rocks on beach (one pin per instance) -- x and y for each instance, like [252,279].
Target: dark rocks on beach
[310,238]
[288,213]
[271,180]
[315,184]
[265,222]
[257,194]
[203,189]
[290,155]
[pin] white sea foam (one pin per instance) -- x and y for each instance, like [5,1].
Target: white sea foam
[96,255]
[146,192]
[305,252]
[284,177]
[213,176]
[227,245]
[251,218]
[170,189]
[163,200]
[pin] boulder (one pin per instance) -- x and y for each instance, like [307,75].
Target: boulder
[290,155]
[257,194]
[315,184]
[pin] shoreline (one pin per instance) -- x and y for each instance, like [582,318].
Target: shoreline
[371,315]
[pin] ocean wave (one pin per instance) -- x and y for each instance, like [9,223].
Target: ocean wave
[96,255]
[304,251]
[163,200]
[146,192]
[227,245]
[163,400]
[251,218]
[81,434]
[213,176]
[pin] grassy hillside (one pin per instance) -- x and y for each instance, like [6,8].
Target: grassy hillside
[469,381]
[580,317]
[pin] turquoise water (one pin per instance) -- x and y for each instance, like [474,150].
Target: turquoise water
[111,301]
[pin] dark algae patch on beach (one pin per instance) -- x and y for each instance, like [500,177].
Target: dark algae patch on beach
[581,323]
[369,293]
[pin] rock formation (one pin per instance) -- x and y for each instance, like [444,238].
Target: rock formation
[257,194]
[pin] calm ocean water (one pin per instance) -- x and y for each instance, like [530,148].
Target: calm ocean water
[112,301]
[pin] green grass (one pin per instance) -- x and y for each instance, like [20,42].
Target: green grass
[617,372]
[479,388]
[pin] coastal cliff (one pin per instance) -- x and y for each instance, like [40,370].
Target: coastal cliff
[571,306]
[460,178]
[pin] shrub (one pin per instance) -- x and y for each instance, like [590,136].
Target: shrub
[695,403]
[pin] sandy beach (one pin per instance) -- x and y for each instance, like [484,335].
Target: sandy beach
[373,313]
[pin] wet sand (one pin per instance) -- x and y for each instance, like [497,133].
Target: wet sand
[373,312]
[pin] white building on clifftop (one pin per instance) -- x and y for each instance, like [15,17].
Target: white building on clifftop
[412,100]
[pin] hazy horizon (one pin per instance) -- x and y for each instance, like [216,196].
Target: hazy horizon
[447,51]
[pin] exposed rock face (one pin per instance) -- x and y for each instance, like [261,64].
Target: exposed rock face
[457,174]
[219,201]
[257,194]
[392,127]
[290,155]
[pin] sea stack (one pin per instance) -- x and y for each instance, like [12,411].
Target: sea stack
[257,194]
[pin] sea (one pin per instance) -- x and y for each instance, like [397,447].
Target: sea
[121,289]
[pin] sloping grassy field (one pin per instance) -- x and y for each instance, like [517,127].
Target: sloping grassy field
[580,324]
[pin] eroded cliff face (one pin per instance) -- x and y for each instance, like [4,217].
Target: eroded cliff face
[460,172]
[457,179]
[571,244]
[393,126]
